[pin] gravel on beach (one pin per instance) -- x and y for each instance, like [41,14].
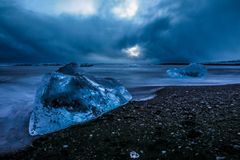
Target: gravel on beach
[180,123]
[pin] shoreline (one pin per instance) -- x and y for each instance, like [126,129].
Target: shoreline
[181,122]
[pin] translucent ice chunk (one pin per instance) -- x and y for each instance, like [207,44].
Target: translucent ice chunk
[66,98]
[192,70]
[134,155]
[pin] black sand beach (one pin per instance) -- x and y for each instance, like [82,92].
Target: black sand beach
[180,123]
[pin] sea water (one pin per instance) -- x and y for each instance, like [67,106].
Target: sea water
[18,85]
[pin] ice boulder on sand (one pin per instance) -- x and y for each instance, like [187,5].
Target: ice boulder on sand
[66,98]
[192,70]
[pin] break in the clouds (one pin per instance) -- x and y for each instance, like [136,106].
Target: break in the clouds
[126,9]
[119,30]
[58,7]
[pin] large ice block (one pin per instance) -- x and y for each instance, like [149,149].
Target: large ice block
[192,70]
[66,98]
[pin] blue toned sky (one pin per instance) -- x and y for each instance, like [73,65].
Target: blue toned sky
[119,31]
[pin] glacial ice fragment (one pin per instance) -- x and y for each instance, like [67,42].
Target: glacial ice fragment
[192,70]
[134,155]
[66,98]
[70,69]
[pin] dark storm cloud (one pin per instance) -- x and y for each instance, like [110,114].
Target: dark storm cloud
[169,31]
[194,31]
[29,36]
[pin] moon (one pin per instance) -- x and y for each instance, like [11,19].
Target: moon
[134,51]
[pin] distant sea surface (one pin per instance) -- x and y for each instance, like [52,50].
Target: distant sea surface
[19,83]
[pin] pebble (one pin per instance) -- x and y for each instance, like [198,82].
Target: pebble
[236,147]
[220,158]
[65,146]
[164,152]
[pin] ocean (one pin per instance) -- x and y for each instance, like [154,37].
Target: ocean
[19,83]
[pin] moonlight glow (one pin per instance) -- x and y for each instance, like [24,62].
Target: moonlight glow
[59,7]
[76,7]
[126,9]
[134,51]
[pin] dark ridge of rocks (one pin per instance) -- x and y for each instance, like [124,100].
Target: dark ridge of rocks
[86,65]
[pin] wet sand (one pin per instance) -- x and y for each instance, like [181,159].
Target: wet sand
[179,123]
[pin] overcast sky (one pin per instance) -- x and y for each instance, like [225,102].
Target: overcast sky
[119,31]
